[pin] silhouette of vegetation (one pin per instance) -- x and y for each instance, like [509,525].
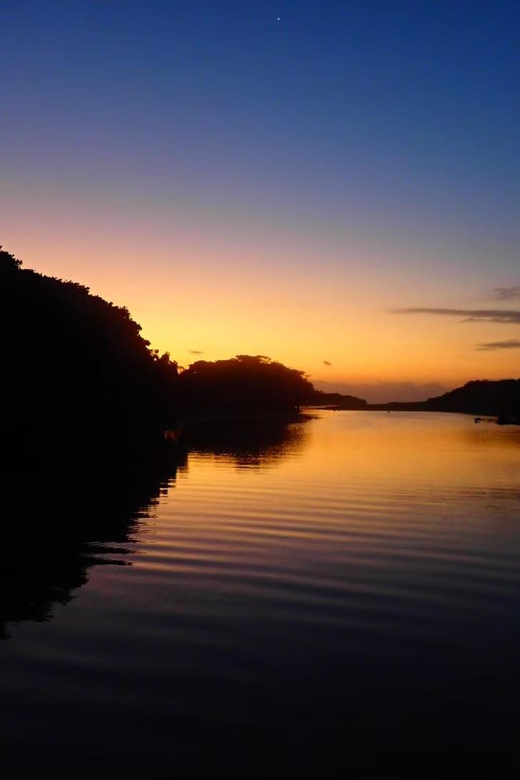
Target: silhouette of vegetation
[78,373]
[243,383]
[482,397]
[75,364]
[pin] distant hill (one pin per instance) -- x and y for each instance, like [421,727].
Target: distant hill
[481,397]
[335,400]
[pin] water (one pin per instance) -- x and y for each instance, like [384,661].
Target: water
[335,598]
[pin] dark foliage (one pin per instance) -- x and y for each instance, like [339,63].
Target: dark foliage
[76,369]
[74,363]
[243,383]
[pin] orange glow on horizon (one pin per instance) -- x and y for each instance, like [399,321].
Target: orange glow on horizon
[214,306]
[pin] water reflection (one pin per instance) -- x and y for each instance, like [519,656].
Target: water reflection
[66,515]
[249,443]
[79,510]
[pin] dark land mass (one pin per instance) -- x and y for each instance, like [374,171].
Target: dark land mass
[499,398]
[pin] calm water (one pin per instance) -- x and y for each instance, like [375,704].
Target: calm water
[340,598]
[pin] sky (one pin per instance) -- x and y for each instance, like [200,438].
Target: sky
[335,185]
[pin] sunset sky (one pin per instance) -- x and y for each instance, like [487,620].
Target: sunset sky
[333,184]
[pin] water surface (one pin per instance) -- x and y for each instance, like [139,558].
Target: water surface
[337,599]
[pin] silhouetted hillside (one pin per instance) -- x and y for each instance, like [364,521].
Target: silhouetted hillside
[501,398]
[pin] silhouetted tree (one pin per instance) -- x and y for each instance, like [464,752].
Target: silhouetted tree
[71,360]
[244,382]
[8,262]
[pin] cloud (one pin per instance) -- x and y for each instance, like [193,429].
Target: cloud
[505,293]
[470,315]
[491,345]
[326,363]
[195,352]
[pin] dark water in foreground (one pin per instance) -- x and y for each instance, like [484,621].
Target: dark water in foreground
[342,600]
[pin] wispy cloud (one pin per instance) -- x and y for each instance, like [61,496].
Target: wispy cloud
[491,345]
[327,363]
[505,293]
[470,315]
[196,352]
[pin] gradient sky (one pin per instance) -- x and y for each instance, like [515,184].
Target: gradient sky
[333,184]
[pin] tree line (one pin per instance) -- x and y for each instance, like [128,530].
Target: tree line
[73,362]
